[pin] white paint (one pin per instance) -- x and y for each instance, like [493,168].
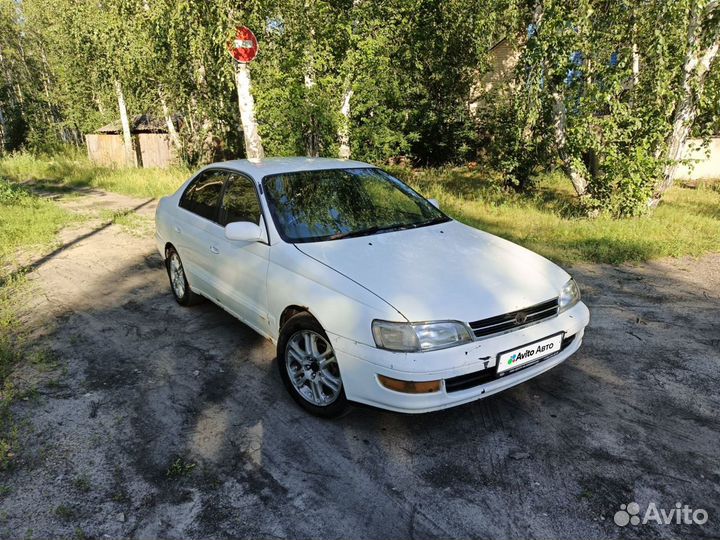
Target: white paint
[706,160]
[246,104]
[447,271]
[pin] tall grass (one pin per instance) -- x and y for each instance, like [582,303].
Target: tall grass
[72,170]
[26,222]
[548,221]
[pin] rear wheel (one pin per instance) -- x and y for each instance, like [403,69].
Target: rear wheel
[309,368]
[178,280]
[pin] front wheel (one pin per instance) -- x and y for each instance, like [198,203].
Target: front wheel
[309,368]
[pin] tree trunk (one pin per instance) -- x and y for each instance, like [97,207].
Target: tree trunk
[2,132]
[172,132]
[312,145]
[344,129]
[578,179]
[312,137]
[635,65]
[697,65]
[253,143]
[130,158]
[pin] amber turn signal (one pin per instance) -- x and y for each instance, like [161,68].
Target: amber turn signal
[410,387]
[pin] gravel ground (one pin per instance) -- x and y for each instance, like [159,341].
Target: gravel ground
[151,420]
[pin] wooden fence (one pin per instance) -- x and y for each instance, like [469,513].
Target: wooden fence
[152,149]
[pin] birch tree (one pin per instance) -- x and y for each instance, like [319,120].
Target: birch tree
[611,92]
[703,44]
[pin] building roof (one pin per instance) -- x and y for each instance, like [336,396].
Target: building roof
[142,123]
[258,169]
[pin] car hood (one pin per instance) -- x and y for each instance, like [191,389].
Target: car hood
[446,271]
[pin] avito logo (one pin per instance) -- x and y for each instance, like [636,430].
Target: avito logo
[520,356]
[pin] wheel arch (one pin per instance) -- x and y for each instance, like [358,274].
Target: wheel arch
[292,310]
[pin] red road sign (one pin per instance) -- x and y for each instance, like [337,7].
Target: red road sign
[244,46]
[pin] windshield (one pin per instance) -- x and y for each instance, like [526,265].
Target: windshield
[311,206]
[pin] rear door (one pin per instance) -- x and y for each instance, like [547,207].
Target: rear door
[242,266]
[197,227]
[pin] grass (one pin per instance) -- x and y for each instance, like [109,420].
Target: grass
[26,221]
[687,223]
[29,224]
[72,170]
[179,468]
[10,355]
[129,222]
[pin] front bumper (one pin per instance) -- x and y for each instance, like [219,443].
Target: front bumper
[361,364]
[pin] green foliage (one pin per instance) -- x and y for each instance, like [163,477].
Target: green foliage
[410,64]
[411,69]
[580,105]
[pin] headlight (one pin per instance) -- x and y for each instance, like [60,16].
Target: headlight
[415,337]
[569,296]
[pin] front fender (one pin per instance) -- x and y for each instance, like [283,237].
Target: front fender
[340,305]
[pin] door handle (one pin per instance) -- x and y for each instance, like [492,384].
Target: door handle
[215,250]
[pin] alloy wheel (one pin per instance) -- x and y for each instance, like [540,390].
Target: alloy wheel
[313,368]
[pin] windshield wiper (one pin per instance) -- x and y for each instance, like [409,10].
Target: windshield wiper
[427,223]
[389,228]
[351,234]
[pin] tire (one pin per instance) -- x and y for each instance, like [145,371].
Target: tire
[312,377]
[179,284]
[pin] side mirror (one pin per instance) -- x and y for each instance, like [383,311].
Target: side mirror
[435,203]
[244,231]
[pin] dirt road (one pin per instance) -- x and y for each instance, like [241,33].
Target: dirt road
[158,421]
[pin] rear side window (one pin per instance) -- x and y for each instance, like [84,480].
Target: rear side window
[202,197]
[240,202]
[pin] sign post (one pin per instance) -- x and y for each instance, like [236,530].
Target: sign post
[243,48]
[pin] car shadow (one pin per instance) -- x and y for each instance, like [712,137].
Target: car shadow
[181,421]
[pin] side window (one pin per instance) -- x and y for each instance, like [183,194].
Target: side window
[240,202]
[203,195]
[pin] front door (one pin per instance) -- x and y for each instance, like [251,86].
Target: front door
[241,268]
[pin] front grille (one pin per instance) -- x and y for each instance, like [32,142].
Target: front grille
[471,380]
[515,319]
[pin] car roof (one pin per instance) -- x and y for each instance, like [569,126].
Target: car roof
[260,168]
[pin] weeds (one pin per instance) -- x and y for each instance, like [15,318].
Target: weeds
[26,222]
[81,483]
[64,512]
[179,468]
[129,221]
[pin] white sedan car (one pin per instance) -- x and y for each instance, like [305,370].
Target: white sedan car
[371,293]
